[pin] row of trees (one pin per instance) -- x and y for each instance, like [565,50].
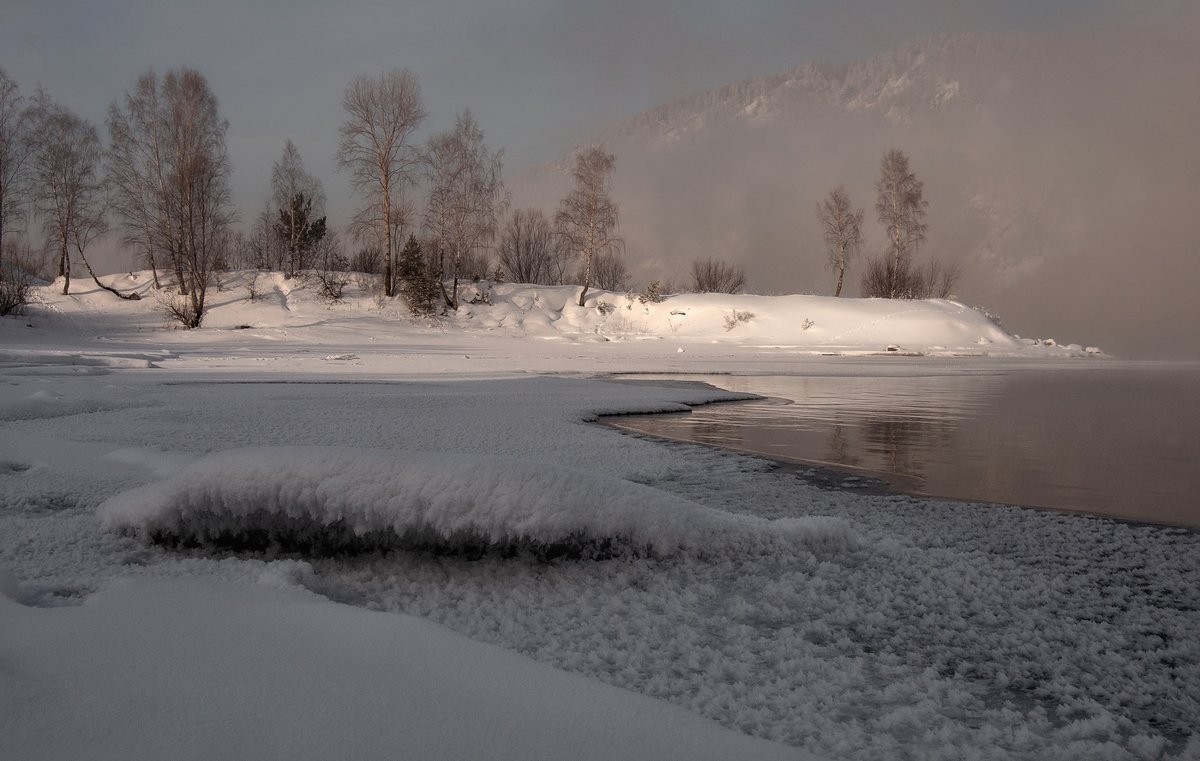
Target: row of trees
[164,177]
[901,207]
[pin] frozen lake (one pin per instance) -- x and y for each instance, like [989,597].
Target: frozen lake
[1121,439]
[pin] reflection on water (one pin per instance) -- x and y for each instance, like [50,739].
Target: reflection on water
[1120,440]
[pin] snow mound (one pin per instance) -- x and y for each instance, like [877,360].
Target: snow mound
[327,500]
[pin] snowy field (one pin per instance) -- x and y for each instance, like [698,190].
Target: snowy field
[377,537]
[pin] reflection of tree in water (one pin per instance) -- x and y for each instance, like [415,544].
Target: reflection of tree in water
[901,443]
[840,451]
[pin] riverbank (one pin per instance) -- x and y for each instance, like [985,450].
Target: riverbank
[821,622]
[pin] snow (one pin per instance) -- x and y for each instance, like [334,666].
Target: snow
[795,325]
[770,618]
[212,669]
[384,498]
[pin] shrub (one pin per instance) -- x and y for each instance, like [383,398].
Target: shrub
[936,281]
[653,294]
[735,318]
[714,276]
[14,291]
[178,308]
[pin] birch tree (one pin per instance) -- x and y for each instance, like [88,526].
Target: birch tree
[15,149]
[529,250]
[137,172]
[901,208]
[842,224]
[170,173]
[300,204]
[466,194]
[587,217]
[69,191]
[376,148]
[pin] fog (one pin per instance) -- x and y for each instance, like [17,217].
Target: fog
[1063,176]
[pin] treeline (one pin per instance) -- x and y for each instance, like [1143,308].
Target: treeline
[430,213]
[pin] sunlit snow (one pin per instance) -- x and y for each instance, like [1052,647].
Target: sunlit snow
[739,608]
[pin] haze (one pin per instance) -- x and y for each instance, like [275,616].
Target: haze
[543,77]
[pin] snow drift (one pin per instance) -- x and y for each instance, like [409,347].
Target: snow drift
[358,326]
[325,500]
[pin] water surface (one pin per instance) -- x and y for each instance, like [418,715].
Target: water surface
[1120,440]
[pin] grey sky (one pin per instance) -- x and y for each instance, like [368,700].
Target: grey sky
[540,75]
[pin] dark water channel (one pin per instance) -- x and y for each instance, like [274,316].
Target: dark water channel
[1121,440]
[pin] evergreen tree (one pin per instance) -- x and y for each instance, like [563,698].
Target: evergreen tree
[416,284]
[298,232]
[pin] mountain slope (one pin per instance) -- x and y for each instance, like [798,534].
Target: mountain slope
[1057,167]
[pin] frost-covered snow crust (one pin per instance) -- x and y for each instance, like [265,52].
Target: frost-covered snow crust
[845,625]
[324,500]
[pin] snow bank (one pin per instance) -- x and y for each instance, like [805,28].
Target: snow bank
[291,310]
[202,669]
[331,500]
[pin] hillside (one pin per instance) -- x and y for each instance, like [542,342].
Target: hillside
[1051,163]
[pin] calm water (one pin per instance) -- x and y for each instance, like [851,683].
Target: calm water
[1121,440]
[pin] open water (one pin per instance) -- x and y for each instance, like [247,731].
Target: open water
[1114,438]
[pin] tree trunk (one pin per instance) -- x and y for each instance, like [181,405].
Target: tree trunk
[64,269]
[841,275]
[114,291]
[587,278]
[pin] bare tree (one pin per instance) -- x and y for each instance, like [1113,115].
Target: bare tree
[170,172]
[69,191]
[843,231]
[609,271]
[715,276]
[883,279]
[199,209]
[529,250]
[466,195]
[901,207]
[941,278]
[376,148]
[299,202]
[137,171]
[587,217]
[15,149]
[266,249]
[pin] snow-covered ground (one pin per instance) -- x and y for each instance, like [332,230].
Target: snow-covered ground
[757,615]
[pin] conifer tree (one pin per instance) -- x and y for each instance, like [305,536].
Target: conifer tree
[416,284]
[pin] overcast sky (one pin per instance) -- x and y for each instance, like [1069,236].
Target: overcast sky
[540,75]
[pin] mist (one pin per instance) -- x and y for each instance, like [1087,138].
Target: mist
[1060,171]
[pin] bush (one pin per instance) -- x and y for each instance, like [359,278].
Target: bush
[14,291]
[653,294]
[368,261]
[714,276]
[735,318]
[179,308]
[332,282]
[936,281]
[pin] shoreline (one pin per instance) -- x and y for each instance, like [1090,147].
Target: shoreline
[840,477]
